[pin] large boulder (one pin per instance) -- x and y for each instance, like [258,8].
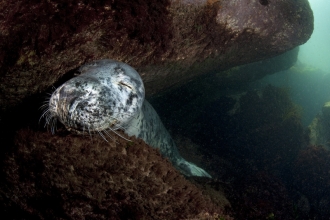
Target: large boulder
[169,42]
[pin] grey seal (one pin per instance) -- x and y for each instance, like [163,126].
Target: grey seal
[109,95]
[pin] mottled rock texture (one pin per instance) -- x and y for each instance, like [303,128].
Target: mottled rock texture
[65,176]
[169,42]
[312,178]
[318,130]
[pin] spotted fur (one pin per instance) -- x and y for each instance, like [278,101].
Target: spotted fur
[109,95]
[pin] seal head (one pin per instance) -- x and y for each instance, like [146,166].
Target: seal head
[107,94]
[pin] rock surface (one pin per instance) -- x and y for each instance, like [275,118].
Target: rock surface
[319,133]
[312,177]
[249,139]
[65,176]
[169,42]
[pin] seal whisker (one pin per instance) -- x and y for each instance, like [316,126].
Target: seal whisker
[119,135]
[90,134]
[52,89]
[83,130]
[108,134]
[43,108]
[53,126]
[45,105]
[48,117]
[123,113]
[123,127]
[50,125]
[100,133]
[43,114]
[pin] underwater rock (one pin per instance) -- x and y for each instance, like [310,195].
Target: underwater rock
[262,196]
[319,129]
[311,177]
[262,125]
[73,177]
[167,41]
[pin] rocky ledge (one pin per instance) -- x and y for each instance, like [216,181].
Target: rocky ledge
[168,41]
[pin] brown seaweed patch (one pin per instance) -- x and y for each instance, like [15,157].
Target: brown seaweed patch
[75,177]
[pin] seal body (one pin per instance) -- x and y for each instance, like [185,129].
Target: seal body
[109,95]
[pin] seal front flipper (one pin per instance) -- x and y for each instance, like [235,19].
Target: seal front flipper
[190,169]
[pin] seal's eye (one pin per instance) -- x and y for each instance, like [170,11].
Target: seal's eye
[124,84]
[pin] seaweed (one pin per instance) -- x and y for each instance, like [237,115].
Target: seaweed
[73,177]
